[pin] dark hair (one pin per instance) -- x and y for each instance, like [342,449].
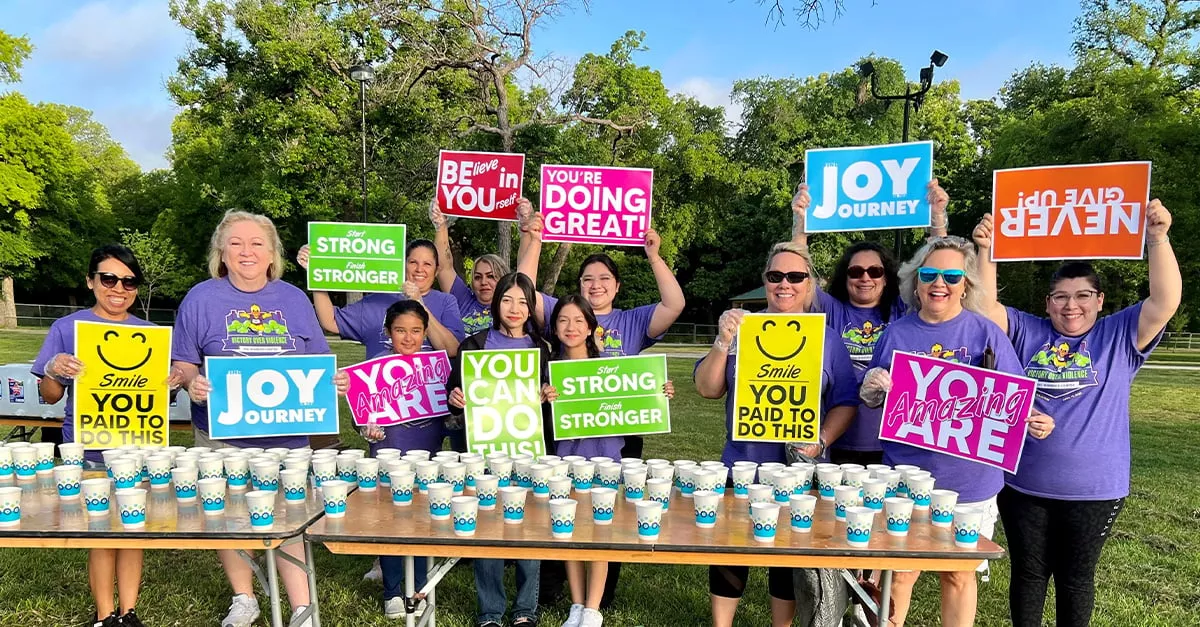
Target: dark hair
[1076,270]
[402,307]
[557,350]
[891,277]
[422,243]
[598,258]
[518,280]
[118,252]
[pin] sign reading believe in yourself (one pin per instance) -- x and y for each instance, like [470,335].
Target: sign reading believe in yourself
[777,390]
[260,397]
[596,205]
[121,396]
[503,393]
[610,396]
[480,184]
[868,187]
[350,257]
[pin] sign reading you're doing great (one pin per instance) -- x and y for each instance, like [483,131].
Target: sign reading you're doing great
[121,396]
[352,257]
[777,392]
[611,396]
[503,393]
[868,187]
[596,205]
[259,397]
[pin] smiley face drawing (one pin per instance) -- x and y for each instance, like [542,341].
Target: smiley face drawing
[114,335]
[781,339]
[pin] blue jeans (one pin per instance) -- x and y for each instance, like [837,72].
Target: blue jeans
[489,586]
[392,567]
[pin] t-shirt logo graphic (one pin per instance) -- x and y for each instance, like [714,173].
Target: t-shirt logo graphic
[257,331]
[957,355]
[478,321]
[610,341]
[1060,372]
[860,341]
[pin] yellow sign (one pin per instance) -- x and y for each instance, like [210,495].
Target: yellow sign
[777,390]
[121,397]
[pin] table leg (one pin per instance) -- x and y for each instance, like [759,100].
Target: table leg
[273,589]
[410,574]
[885,597]
[430,598]
[311,569]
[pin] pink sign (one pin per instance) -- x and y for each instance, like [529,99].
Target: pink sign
[395,389]
[596,205]
[968,412]
[480,184]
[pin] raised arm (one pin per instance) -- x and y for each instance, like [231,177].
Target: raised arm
[439,336]
[321,302]
[441,241]
[529,253]
[1166,283]
[710,373]
[800,203]
[671,306]
[939,220]
[992,308]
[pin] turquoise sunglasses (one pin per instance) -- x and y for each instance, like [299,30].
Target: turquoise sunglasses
[929,275]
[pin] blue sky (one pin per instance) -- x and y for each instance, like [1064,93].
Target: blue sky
[114,56]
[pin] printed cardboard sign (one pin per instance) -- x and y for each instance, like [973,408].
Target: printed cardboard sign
[610,396]
[395,389]
[868,187]
[353,257]
[262,397]
[122,396]
[1095,211]
[503,393]
[483,185]
[777,393]
[964,411]
[596,205]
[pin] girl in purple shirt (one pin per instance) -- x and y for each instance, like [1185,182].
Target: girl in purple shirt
[1059,508]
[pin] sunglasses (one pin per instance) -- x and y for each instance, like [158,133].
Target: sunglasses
[856,272]
[795,278]
[929,275]
[109,280]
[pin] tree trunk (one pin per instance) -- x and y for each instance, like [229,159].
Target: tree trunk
[504,228]
[504,240]
[8,304]
[556,266]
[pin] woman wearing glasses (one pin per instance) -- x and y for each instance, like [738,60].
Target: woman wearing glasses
[941,284]
[1060,506]
[789,285]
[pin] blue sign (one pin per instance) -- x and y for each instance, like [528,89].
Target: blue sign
[259,397]
[868,187]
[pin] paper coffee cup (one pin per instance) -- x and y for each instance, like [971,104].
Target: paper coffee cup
[562,517]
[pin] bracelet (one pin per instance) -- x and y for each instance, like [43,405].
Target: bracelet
[1158,242]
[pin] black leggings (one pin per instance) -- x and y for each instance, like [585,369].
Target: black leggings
[1050,537]
[730,582]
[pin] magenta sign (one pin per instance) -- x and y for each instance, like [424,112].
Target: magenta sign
[968,412]
[596,205]
[395,389]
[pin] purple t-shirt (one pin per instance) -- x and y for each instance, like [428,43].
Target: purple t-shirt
[61,339]
[1083,383]
[499,341]
[859,329]
[363,321]
[475,315]
[216,318]
[622,331]
[962,339]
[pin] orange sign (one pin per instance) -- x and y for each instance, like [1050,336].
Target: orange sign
[1095,211]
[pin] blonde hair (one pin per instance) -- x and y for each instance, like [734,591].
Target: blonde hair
[801,251]
[216,246]
[499,266]
[972,298]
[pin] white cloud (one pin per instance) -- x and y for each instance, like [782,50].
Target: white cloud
[713,93]
[144,132]
[113,34]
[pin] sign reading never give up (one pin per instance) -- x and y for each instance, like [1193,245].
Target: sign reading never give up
[352,257]
[503,393]
[613,396]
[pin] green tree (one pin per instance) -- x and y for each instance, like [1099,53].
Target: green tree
[13,53]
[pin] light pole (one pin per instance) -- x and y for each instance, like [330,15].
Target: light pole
[363,73]
[915,99]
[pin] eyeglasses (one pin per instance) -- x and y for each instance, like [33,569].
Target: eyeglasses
[929,275]
[795,278]
[1082,297]
[856,272]
[109,280]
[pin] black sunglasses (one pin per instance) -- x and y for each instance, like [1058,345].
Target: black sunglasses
[109,280]
[795,278]
[856,272]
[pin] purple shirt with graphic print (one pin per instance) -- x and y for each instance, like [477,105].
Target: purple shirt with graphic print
[216,318]
[1083,383]
[475,315]
[962,339]
[623,331]
[363,321]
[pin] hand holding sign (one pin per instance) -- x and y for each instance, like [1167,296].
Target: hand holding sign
[1158,221]
[869,187]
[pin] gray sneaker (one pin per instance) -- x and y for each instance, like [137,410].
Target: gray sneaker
[575,616]
[591,618]
[242,612]
[393,609]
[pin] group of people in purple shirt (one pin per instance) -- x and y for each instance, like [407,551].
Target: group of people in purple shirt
[1057,510]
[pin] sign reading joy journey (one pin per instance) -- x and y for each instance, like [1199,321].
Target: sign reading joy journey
[480,184]
[395,389]
[259,397]
[121,397]
[503,393]
[868,187]
[350,257]
[777,393]
[612,396]
[596,205]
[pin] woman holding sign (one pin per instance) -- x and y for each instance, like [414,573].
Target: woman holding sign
[789,283]
[941,283]
[245,309]
[113,276]
[1059,508]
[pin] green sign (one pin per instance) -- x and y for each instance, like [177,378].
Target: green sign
[503,392]
[611,396]
[351,257]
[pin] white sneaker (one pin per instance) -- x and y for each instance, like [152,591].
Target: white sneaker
[591,618]
[393,608]
[575,616]
[308,622]
[375,574]
[242,612]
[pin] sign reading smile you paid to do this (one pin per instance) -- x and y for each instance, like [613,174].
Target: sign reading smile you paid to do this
[596,205]
[1095,211]
[480,184]
[777,396]
[260,397]
[613,396]
[868,187]
[121,396]
[967,412]
[395,389]
[503,393]
[350,257]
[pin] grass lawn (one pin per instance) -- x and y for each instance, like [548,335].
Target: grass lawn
[1147,576]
